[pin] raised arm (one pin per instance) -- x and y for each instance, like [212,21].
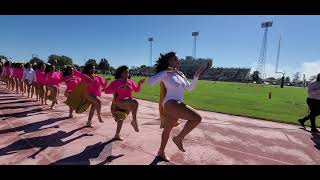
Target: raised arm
[190,86]
[82,76]
[103,83]
[157,78]
[197,74]
[135,87]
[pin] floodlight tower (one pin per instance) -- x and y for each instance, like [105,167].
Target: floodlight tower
[263,52]
[277,63]
[195,35]
[150,51]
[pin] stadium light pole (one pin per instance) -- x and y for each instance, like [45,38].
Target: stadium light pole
[263,52]
[304,81]
[195,35]
[277,63]
[150,51]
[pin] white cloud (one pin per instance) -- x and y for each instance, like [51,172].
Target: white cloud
[310,68]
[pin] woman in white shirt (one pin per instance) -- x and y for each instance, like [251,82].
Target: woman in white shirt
[171,106]
[29,77]
[6,74]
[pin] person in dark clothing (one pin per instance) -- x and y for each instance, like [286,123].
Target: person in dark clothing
[313,102]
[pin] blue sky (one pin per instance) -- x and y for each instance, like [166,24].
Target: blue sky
[231,41]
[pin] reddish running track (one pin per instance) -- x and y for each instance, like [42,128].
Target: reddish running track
[32,134]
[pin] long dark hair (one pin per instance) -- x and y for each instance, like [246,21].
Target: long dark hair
[163,61]
[48,68]
[17,65]
[26,65]
[39,65]
[86,68]
[119,71]
[35,66]
[7,63]
[66,71]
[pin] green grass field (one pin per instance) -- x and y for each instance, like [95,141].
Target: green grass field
[250,100]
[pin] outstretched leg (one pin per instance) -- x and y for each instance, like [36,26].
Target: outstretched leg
[130,105]
[174,111]
[96,101]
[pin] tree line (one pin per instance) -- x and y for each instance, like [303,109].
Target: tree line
[62,60]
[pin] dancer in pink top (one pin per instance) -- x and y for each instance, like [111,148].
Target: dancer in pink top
[11,76]
[18,74]
[40,81]
[6,73]
[2,76]
[71,81]
[1,73]
[93,84]
[53,82]
[20,77]
[15,76]
[124,86]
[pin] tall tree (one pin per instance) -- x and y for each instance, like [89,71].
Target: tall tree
[65,60]
[53,59]
[3,57]
[255,76]
[35,60]
[296,77]
[59,60]
[104,65]
[287,79]
[92,61]
[76,66]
